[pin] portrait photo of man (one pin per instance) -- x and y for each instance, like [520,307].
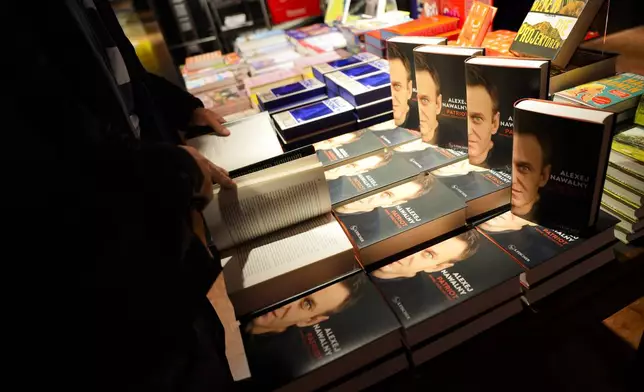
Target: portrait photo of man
[505,223]
[360,166]
[391,197]
[400,71]
[429,98]
[483,117]
[340,140]
[531,166]
[310,310]
[434,258]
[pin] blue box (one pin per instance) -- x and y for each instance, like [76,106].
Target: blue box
[366,89]
[296,104]
[314,118]
[284,95]
[336,65]
[374,109]
[332,79]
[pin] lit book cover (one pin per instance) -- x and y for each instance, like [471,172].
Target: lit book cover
[344,148]
[376,218]
[284,95]
[291,342]
[338,77]
[368,175]
[427,283]
[554,29]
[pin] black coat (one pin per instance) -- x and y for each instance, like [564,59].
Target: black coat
[104,217]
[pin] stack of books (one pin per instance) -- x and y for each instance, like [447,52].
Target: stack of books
[430,27]
[624,186]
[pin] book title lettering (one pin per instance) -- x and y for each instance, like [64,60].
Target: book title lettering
[575,180]
[454,107]
[327,340]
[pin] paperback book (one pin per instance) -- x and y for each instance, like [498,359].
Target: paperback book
[439,287]
[482,190]
[393,220]
[400,54]
[285,95]
[313,340]
[442,105]
[554,29]
[552,184]
[620,94]
[428,157]
[543,251]
[334,79]
[493,85]
[309,119]
[320,70]
[367,176]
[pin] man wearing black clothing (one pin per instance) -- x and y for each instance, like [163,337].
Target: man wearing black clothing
[97,170]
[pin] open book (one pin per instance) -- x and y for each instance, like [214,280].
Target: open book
[276,234]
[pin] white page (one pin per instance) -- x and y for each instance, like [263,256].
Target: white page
[260,206]
[252,139]
[284,251]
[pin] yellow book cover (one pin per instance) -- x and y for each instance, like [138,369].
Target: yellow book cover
[639,116]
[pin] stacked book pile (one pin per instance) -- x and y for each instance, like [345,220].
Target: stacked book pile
[317,38]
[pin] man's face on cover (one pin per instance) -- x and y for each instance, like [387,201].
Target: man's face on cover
[457,169]
[429,106]
[505,222]
[416,145]
[337,141]
[389,198]
[432,259]
[401,90]
[355,168]
[528,173]
[304,312]
[482,123]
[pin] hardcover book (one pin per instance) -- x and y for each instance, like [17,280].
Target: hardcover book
[284,95]
[400,54]
[320,70]
[482,190]
[364,90]
[428,157]
[442,105]
[619,94]
[398,218]
[554,29]
[552,184]
[628,164]
[543,251]
[297,104]
[312,118]
[367,176]
[493,85]
[333,79]
[346,148]
[392,135]
[439,287]
[275,232]
[314,340]
[624,180]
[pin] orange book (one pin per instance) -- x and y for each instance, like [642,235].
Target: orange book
[422,27]
[476,25]
[497,43]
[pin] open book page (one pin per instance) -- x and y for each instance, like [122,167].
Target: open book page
[268,201]
[284,251]
[251,140]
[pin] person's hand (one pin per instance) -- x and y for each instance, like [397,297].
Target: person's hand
[205,117]
[211,173]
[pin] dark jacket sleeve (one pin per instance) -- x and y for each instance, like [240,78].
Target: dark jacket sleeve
[177,104]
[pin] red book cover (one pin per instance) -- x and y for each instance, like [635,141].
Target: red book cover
[476,25]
